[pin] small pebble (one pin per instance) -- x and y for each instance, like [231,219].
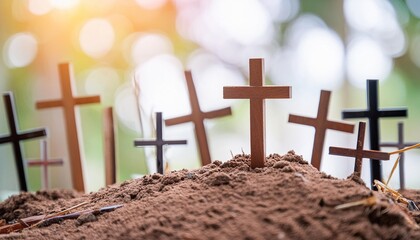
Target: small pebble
[85,218]
[219,179]
[280,164]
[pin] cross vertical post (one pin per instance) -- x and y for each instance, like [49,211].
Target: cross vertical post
[68,103]
[257,106]
[158,143]
[321,124]
[257,93]
[373,113]
[44,162]
[197,116]
[400,144]
[15,137]
[359,153]
[109,146]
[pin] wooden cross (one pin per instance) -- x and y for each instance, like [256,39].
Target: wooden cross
[257,93]
[109,147]
[159,143]
[197,117]
[321,124]
[374,114]
[359,153]
[68,102]
[400,145]
[45,162]
[15,137]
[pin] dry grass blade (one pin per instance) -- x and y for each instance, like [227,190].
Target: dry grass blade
[398,197]
[139,108]
[167,168]
[370,201]
[393,169]
[405,149]
[59,213]
[67,210]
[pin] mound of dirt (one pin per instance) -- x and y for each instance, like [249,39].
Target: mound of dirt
[287,199]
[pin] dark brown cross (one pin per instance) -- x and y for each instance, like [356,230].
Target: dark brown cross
[44,162]
[109,147]
[16,136]
[159,143]
[400,145]
[373,113]
[257,93]
[359,153]
[197,116]
[68,102]
[321,124]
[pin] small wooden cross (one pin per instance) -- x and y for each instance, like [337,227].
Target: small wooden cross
[373,113]
[68,102]
[400,145]
[45,162]
[159,143]
[359,153]
[109,147]
[197,117]
[321,124]
[257,93]
[15,137]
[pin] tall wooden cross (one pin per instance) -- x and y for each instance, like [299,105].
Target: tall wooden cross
[16,136]
[373,113]
[321,124]
[68,102]
[44,162]
[359,153]
[159,143]
[197,116]
[109,147]
[400,144]
[257,93]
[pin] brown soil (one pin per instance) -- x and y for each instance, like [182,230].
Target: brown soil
[287,199]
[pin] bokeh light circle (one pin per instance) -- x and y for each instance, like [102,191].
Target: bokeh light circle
[210,76]
[246,22]
[151,4]
[162,86]
[366,60]
[39,7]
[320,58]
[377,19]
[149,45]
[97,37]
[64,4]
[20,50]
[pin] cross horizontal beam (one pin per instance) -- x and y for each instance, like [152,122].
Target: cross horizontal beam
[257,92]
[345,152]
